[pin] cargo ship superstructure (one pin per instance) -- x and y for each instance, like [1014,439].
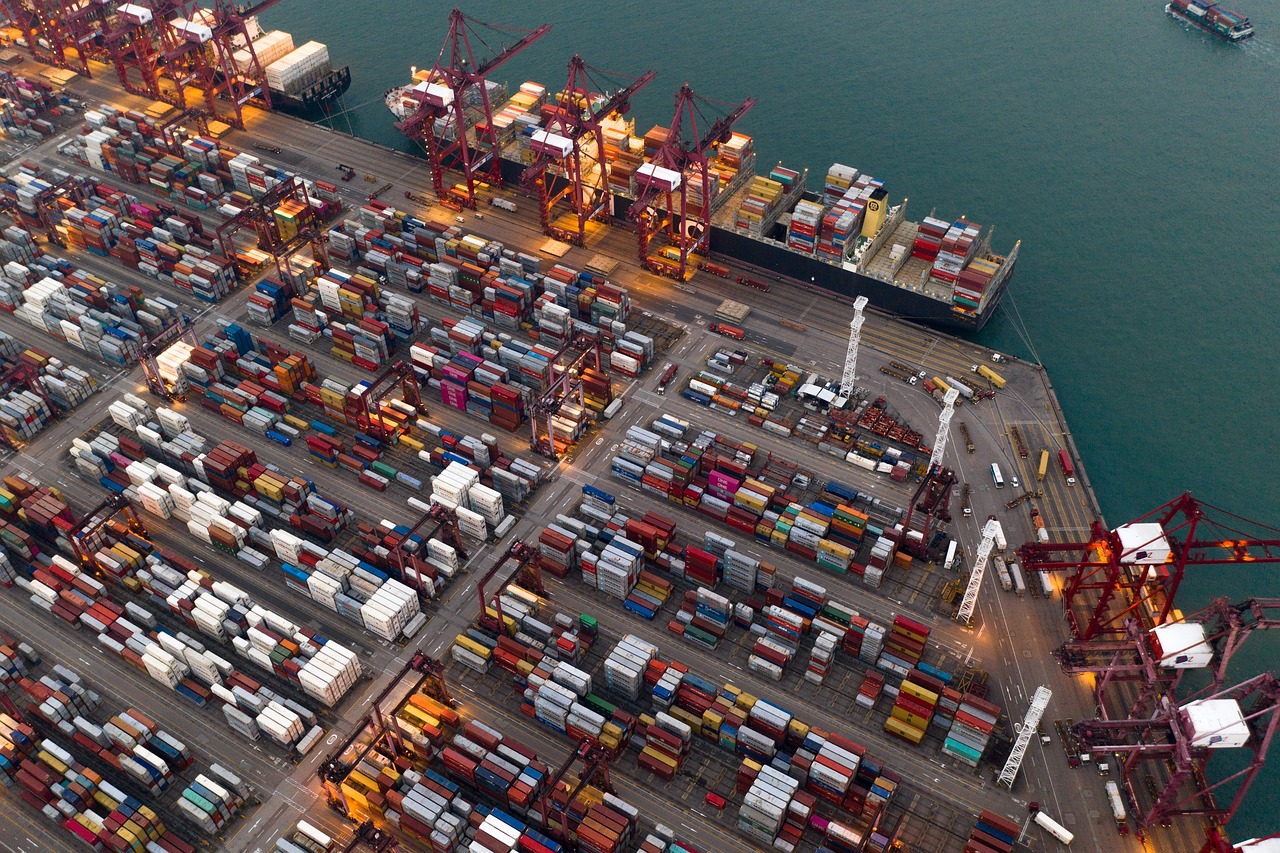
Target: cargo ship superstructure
[847,238]
[1212,18]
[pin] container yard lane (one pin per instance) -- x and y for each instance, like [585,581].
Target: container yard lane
[1012,640]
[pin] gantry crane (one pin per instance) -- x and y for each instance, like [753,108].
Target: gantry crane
[406,552]
[363,409]
[595,770]
[374,728]
[581,353]
[1184,738]
[260,216]
[455,91]
[663,205]
[19,374]
[132,40]
[933,500]
[55,28]
[1142,563]
[181,329]
[571,164]
[1224,627]
[83,540]
[48,210]
[518,562]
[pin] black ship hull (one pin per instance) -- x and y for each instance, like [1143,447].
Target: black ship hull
[316,100]
[907,304]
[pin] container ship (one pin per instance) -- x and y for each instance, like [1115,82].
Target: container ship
[1212,18]
[302,80]
[847,237]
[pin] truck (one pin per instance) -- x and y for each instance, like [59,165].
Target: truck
[754,283]
[1043,468]
[1002,571]
[1050,825]
[1117,808]
[1019,585]
[503,204]
[1037,521]
[1018,444]
[910,379]
[668,374]
[728,331]
[714,269]
[964,500]
[968,442]
[1068,469]
[965,390]
[950,562]
[990,375]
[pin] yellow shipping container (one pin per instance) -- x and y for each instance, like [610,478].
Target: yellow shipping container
[472,646]
[297,423]
[897,727]
[798,729]
[660,757]
[921,693]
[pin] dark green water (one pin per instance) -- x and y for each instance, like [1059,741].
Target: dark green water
[1137,160]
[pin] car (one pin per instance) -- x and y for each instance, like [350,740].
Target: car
[1014,482]
[716,801]
[459,219]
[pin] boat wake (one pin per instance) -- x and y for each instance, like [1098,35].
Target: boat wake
[1262,50]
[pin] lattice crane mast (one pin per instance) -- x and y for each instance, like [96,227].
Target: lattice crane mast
[1184,738]
[990,532]
[1136,569]
[1035,712]
[455,78]
[944,425]
[850,374]
[571,164]
[665,179]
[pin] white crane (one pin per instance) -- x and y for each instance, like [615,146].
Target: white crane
[944,426]
[851,357]
[990,532]
[1030,723]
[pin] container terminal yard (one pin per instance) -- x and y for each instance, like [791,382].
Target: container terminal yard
[252,604]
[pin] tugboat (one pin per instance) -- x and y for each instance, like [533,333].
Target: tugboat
[1212,18]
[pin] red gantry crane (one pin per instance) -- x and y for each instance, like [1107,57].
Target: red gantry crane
[456,92]
[132,40]
[1136,569]
[668,205]
[571,164]
[363,408]
[59,32]
[197,52]
[1119,599]
[1182,737]
[519,562]
[595,771]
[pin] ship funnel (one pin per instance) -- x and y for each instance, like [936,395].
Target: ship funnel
[877,208]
